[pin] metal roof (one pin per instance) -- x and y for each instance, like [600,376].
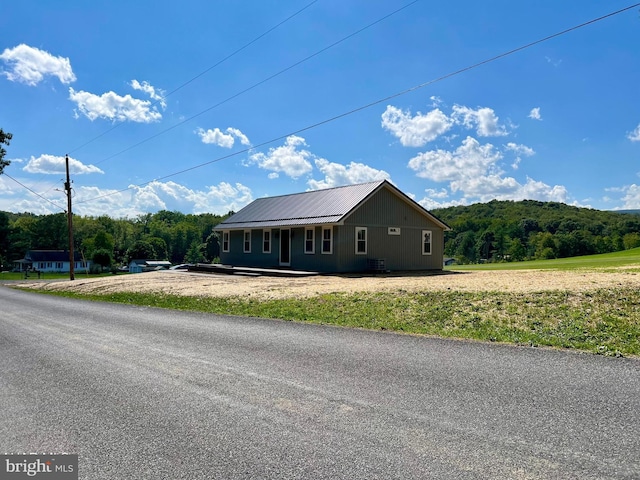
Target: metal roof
[318,207]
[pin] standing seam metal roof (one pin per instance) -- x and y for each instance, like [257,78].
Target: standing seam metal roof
[308,208]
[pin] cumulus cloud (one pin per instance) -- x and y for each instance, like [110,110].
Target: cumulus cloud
[155,196]
[224,139]
[519,150]
[55,165]
[112,106]
[635,135]
[489,187]
[337,174]
[154,93]
[630,196]
[30,65]
[417,130]
[473,171]
[535,114]
[471,159]
[484,120]
[290,158]
[15,198]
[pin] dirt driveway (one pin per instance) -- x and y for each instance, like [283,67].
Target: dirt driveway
[221,285]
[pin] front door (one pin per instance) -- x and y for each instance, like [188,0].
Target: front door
[285,247]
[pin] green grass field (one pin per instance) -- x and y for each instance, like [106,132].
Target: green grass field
[14,276]
[624,258]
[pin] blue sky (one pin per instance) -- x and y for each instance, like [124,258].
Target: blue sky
[203,106]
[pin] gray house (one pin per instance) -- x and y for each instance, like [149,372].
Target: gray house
[371,226]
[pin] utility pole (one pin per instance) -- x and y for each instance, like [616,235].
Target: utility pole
[67,188]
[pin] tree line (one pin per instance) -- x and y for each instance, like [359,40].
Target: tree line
[108,242]
[486,232]
[526,230]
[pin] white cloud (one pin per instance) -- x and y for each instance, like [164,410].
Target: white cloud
[635,135]
[490,187]
[154,94]
[484,120]
[337,174]
[472,171]
[535,114]
[519,150]
[244,140]
[218,199]
[15,198]
[221,139]
[114,107]
[288,159]
[418,130]
[469,160]
[630,198]
[432,193]
[51,164]
[29,65]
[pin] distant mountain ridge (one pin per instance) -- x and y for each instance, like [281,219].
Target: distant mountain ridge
[530,229]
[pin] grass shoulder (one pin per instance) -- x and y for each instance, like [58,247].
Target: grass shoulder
[601,321]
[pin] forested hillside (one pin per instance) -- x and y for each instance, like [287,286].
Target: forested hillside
[484,232]
[513,231]
[108,242]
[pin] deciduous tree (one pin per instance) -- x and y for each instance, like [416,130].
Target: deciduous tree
[5,138]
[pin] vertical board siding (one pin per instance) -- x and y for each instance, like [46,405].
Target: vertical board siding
[400,252]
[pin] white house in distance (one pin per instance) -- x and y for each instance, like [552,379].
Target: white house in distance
[51,261]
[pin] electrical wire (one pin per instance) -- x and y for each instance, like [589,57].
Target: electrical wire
[271,77]
[220,62]
[377,102]
[35,193]
[217,64]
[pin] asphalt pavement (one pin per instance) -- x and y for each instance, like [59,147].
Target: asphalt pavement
[143,393]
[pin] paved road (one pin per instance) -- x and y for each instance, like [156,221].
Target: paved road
[141,393]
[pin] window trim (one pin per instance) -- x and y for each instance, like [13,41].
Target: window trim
[246,243]
[266,241]
[312,240]
[424,243]
[330,250]
[226,237]
[358,240]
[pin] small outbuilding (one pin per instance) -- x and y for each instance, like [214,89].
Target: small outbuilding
[140,265]
[369,226]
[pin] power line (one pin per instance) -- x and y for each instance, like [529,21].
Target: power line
[35,193]
[220,62]
[271,77]
[376,102]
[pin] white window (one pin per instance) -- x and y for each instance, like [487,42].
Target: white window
[361,240]
[59,265]
[266,241]
[247,241]
[225,241]
[426,242]
[310,240]
[327,239]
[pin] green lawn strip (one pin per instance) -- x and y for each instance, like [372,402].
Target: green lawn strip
[601,321]
[623,258]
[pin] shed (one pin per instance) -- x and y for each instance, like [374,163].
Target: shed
[139,265]
[355,228]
